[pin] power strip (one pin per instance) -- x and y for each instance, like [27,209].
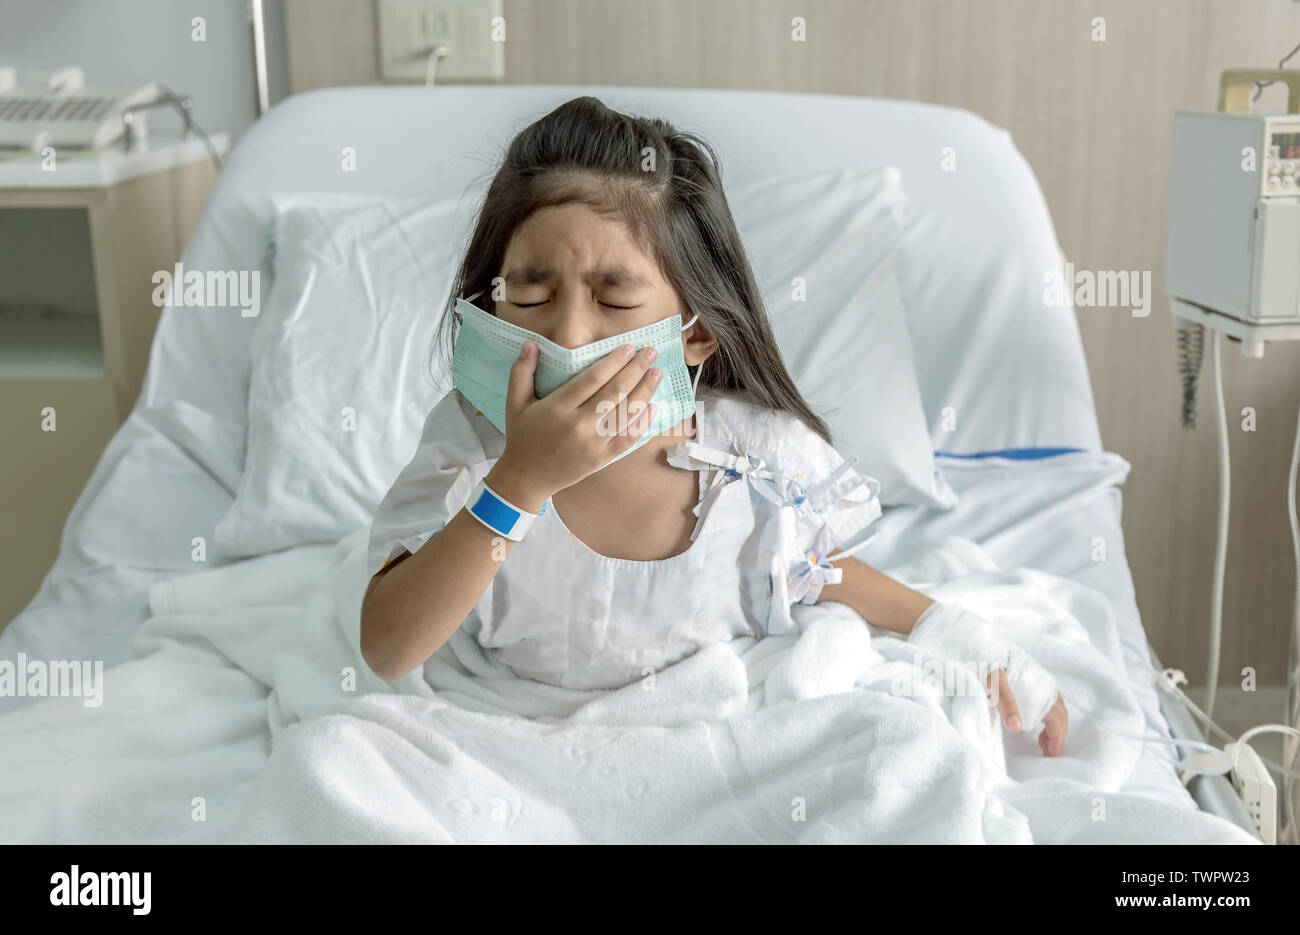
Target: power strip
[1256,789]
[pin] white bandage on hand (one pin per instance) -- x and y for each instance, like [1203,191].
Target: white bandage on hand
[949,632]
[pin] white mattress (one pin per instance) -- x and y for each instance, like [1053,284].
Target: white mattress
[978,243]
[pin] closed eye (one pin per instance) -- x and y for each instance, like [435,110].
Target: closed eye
[621,308]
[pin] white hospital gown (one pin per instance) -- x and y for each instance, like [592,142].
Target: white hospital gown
[775,502]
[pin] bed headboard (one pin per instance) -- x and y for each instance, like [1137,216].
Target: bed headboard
[998,368]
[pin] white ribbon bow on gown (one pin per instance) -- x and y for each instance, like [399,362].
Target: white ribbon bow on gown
[806,578]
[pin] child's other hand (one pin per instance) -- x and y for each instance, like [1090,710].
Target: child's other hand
[1056,722]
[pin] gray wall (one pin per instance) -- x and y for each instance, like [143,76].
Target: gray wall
[124,43]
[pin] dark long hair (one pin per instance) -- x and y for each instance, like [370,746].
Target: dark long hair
[665,185]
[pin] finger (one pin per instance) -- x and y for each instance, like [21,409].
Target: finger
[1057,727]
[1052,737]
[643,415]
[1007,707]
[519,390]
[627,421]
[581,387]
[1050,744]
[619,387]
[623,414]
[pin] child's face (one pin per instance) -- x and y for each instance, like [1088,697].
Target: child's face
[576,277]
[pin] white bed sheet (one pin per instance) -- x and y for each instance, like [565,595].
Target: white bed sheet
[1045,514]
[1049,514]
[167,476]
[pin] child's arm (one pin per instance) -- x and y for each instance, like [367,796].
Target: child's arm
[414,605]
[878,598]
[884,602]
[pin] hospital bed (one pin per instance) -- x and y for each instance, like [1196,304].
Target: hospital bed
[1025,457]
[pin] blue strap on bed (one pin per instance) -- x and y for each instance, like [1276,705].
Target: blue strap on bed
[1017,454]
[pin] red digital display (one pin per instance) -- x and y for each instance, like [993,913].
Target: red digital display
[1288,145]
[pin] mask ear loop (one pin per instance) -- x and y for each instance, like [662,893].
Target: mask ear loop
[457,313]
[699,368]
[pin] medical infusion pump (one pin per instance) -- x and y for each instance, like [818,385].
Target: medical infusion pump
[1234,214]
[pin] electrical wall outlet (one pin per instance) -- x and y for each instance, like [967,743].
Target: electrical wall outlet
[410,30]
[1256,789]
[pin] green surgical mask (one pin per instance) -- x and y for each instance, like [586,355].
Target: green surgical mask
[487,347]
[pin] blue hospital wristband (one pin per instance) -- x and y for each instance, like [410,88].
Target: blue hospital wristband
[499,514]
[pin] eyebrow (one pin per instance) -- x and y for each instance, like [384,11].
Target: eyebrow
[529,275]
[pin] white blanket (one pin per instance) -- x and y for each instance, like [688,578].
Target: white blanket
[249,716]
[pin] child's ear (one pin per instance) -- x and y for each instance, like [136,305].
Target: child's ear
[698,345]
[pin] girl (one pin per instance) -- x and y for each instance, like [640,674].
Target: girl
[662,510]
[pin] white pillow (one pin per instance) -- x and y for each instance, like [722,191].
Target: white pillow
[835,236]
[341,381]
